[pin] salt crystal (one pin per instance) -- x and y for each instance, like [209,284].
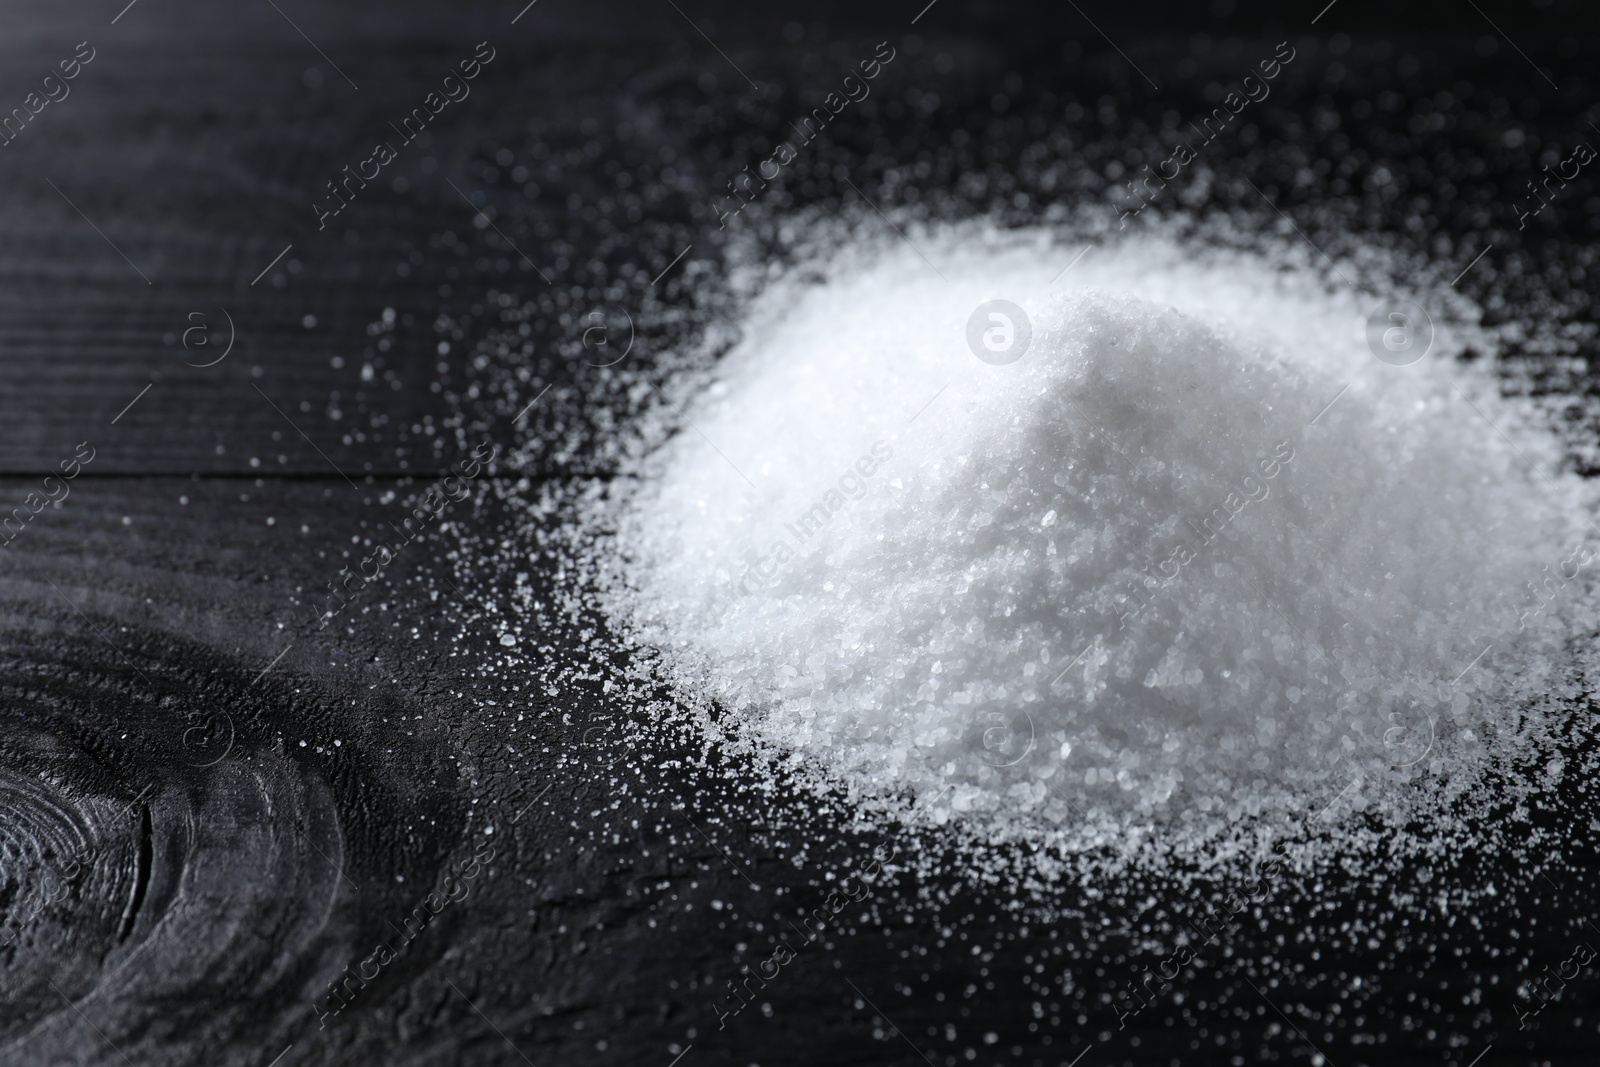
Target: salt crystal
[1276,553]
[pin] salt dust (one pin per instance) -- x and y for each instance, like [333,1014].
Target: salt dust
[1197,557]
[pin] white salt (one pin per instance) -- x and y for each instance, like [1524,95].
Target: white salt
[1145,572]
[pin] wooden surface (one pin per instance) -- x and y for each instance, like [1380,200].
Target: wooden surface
[171,591]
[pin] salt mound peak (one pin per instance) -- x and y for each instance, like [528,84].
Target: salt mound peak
[1146,567]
